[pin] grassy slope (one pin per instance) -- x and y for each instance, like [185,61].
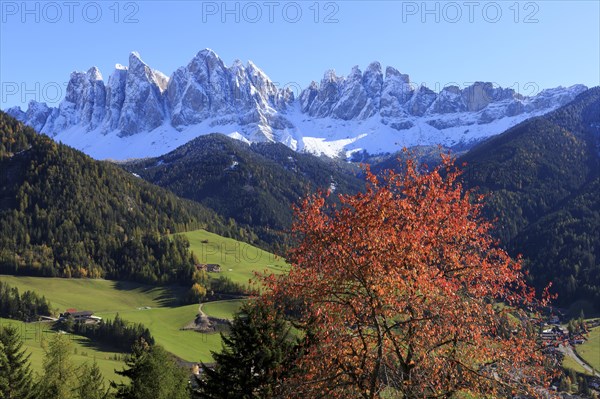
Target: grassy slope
[165,324]
[164,319]
[222,309]
[569,363]
[238,260]
[590,350]
[83,352]
[106,298]
[95,295]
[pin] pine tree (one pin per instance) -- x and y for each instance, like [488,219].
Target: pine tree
[15,374]
[255,357]
[91,383]
[571,327]
[59,380]
[153,375]
[564,384]
[3,366]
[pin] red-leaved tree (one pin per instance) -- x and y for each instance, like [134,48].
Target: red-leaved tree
[402,292]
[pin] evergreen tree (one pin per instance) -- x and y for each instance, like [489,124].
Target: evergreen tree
[3,366]
[91,383]
[59,380]
[153,375]
[15,373]
[564,385]
[277,175]
[27,306]
[571,327]
[117,332]
[256,356]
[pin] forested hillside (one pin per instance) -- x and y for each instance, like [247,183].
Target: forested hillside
[64,214]
[254,184]
[564,247]
[542,177]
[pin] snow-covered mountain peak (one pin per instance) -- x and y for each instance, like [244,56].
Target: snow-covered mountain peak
[135,61]
[393,73]
[254,70]
[94,74]
[161,80]
[237,64]
[142,112]
[137,66]
[206,58]
[374,66]
[207,53]
[355,73]
[373,79]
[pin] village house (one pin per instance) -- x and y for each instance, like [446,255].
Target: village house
[84,316]
[209,267]
[554,333]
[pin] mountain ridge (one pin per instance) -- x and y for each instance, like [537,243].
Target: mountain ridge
[255,184]
[140,112]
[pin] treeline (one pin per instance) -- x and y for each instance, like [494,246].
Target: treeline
[224,285]
[116,332]
[204,288]
[142,257]
[65,214]
[26,306]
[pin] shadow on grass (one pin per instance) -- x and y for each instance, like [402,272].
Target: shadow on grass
[97,346]
[85,342]
[169,296]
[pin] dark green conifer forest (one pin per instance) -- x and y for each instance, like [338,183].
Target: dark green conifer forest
[64,214]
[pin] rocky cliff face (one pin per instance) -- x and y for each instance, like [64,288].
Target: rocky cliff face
[369,110]
[115,97]
[143,106]
[206,88]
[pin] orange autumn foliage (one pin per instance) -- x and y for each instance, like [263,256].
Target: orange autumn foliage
[397,291]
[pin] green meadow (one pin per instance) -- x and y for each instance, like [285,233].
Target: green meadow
[222,309]
[590,350]
[152,306]
[239,261]
[165,325]
[569,363]
[96,295]
[157,308]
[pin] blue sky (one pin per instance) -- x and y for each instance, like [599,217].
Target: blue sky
[528,45]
